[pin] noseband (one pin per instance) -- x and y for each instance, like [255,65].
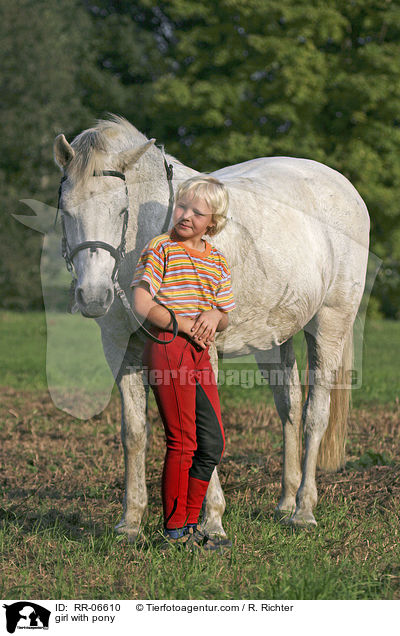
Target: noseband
[117,253]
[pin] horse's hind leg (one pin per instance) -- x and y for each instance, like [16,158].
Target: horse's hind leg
[325,336]
[279,367]
[214,503]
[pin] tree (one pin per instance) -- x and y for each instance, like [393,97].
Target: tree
[40,57]
[300,78]
[57,76]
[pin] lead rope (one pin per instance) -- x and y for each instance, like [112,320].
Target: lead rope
[137,324]
[170,175]
[120,292]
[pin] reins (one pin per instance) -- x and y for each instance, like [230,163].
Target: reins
[117,253]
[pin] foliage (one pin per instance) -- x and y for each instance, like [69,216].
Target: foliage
[217,83]
[55,78]
[41,54]
[309,79]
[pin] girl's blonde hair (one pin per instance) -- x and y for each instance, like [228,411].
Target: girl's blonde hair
[214,194]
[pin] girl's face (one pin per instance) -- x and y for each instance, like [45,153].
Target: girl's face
[192,217]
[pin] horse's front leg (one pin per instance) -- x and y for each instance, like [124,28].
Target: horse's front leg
[214,507]
[134,439]
[214,503]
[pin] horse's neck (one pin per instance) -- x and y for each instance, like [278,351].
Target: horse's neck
[149,187]
[149,196]
[148,169]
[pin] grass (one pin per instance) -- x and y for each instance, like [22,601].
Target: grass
[61,482]
[24,338]
[266,562]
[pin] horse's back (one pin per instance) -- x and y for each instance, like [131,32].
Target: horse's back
[309,186]
[298,233]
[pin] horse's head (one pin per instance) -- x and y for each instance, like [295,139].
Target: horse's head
[94,211]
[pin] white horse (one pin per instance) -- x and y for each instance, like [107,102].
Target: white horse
[297,243]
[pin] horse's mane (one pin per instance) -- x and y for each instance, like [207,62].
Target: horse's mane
[94,145]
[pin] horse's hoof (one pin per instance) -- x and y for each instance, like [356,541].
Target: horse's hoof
[212,529]
[304,520]
[129,532]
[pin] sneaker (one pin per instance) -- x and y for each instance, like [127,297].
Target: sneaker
[174,542]
[198,540]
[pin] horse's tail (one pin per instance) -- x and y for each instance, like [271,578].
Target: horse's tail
[331,456]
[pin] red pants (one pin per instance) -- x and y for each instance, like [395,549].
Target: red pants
[186,393]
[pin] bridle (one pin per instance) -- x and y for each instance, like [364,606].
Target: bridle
[118,253]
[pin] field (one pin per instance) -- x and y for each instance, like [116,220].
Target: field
[62,485]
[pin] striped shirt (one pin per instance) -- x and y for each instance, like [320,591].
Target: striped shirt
[185,280]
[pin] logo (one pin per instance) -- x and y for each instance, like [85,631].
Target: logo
[26,615]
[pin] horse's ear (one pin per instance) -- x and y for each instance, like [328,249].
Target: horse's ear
[127,158]
[63,151]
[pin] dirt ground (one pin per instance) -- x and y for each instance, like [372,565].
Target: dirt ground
[46,452]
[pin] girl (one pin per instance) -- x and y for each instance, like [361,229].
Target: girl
[191,277]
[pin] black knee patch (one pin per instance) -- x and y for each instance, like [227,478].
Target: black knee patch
[210,442]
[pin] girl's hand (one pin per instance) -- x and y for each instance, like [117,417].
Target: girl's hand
[185,325]
[205,326]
